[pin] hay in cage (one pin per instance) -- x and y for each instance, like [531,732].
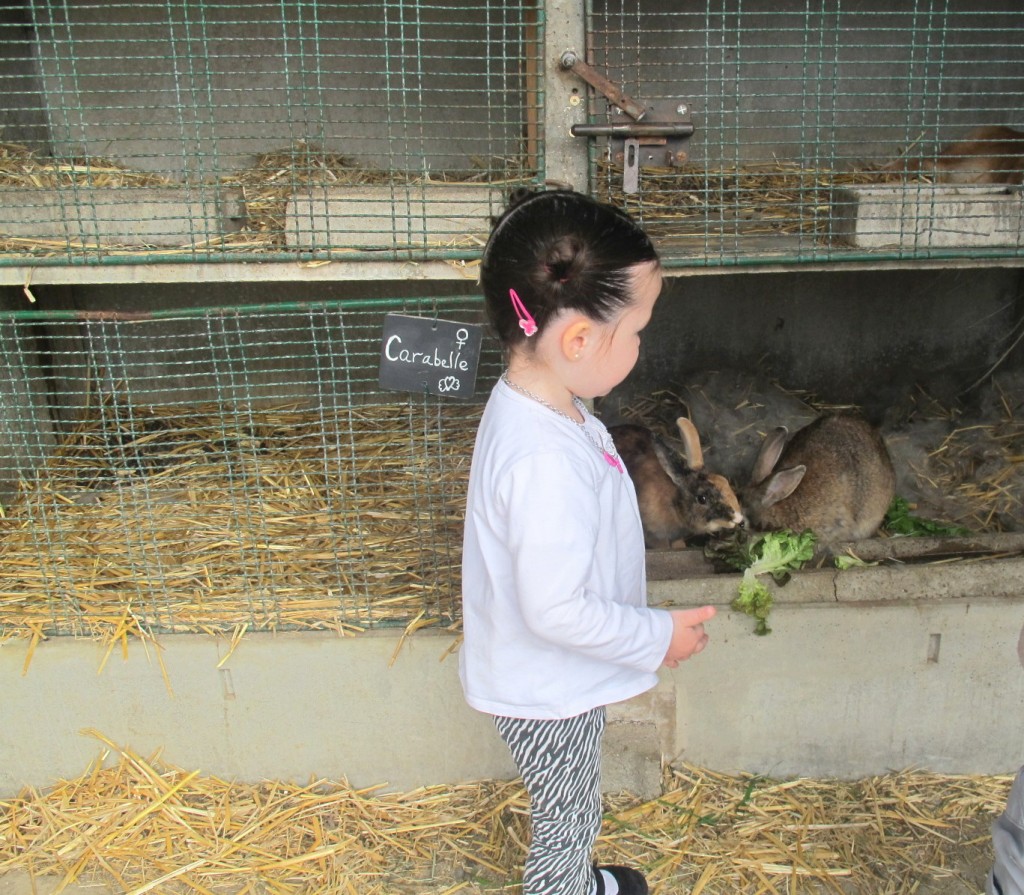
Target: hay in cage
[265,186]
[197,519]
[775,197]
[753,199]
[273,177]
[136,824]
[981,466]
[20,166]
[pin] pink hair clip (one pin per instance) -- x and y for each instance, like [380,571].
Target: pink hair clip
[526,322]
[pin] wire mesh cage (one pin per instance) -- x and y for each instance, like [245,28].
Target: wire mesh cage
[210,468]
[820,131]
[226,129]
[194,131]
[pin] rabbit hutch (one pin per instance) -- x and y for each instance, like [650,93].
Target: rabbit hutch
[223,537]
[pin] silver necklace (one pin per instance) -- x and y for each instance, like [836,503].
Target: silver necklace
[609,453]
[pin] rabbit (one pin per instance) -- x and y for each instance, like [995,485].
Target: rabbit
[678,498]
[728,405]
[835,477]
[987,156]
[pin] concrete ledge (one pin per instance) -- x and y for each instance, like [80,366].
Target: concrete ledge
[909,582]
[865,671]
[921,216]
[87,217]
[392,216]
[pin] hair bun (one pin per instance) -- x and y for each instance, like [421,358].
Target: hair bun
[565,260]
[560,270]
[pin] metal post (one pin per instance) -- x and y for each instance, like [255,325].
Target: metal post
[565,102]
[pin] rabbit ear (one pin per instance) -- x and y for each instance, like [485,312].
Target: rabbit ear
[768,456]
[669,461]
[691,442]
[782,484]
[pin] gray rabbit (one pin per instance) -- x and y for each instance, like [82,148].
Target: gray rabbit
[678,498]
[835,477]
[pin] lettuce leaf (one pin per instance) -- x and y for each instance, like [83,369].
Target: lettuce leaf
[900,521]
[775,553]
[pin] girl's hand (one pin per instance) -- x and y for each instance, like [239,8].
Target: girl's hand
[688,637]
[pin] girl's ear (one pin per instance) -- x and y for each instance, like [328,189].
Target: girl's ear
[576,337]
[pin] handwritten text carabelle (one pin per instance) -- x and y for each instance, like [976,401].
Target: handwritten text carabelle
[453,360]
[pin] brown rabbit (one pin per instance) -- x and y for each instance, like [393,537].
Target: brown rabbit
[678,498]
[989,155]
[834,477]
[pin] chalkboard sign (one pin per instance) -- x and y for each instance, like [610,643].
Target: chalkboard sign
[421,354]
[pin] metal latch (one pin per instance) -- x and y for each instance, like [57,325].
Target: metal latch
[656,135]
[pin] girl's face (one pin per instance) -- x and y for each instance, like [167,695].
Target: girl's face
[618,348]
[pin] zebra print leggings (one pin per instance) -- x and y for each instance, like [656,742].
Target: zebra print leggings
[560,762]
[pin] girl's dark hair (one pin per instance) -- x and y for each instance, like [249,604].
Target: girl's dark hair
[559,250]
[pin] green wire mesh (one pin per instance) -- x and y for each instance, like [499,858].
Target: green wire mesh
[226,130]
[209,469]
[192,131]
[796,107]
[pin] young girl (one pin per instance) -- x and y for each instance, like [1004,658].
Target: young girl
[554,588]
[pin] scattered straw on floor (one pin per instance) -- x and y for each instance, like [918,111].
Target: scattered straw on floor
[140,824]
[20,167]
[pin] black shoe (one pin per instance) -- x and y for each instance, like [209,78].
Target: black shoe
[631,882]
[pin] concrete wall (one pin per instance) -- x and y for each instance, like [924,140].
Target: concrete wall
[22,117]
[864,671]
[848,336]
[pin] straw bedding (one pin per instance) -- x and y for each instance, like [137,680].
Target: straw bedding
[776,197]
[166,519]
[754,199]
[982,467]
[202,520]
[265,186]
[141,824]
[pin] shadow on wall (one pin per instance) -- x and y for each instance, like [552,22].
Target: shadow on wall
[859,337]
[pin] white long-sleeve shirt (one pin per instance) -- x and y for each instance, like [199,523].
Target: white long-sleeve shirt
[555,610]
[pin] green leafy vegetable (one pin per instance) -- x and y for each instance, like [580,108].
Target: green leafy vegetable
[900,521]
[849,561]
[774,553]
[756,601]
